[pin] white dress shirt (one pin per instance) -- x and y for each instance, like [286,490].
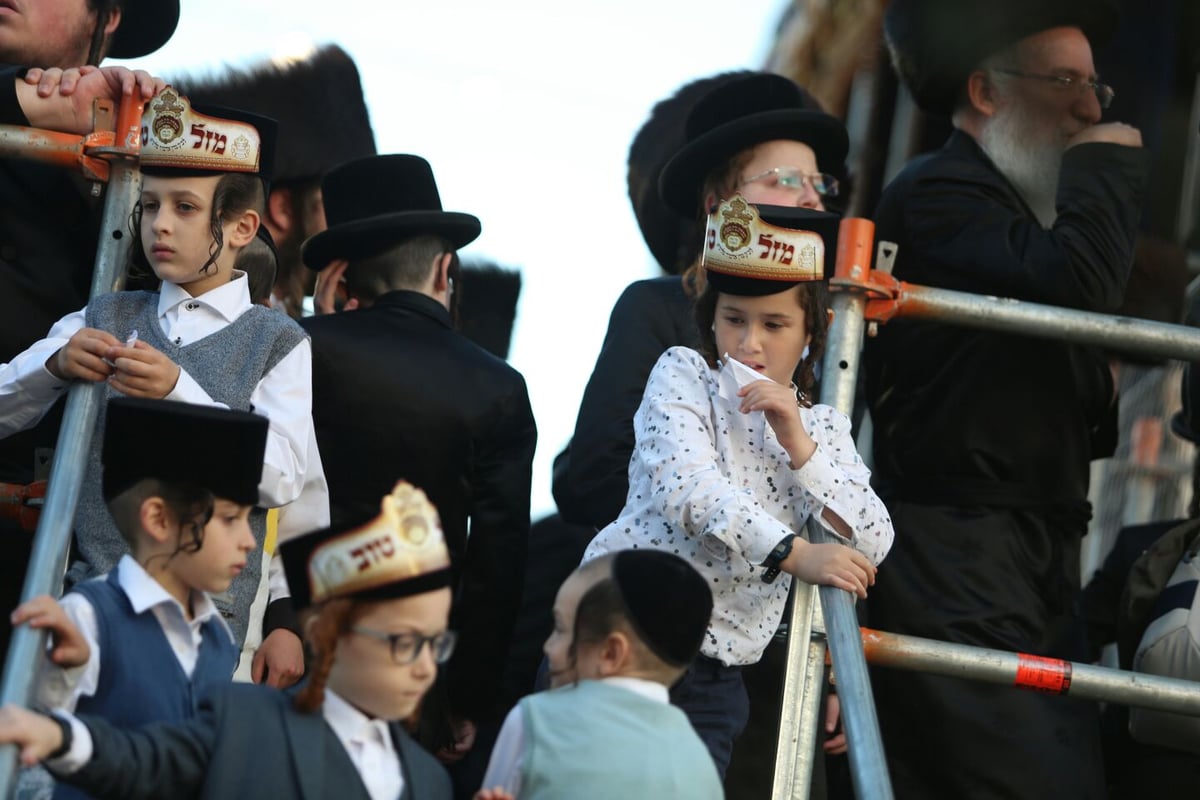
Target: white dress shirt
[369,744]
[504,767]
[283,395]
[59,687]
[715,486]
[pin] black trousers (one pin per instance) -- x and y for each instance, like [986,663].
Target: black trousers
[1004,579]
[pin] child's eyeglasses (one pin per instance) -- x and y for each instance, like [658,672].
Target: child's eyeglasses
[795,178]
[1104,93]
[406,647]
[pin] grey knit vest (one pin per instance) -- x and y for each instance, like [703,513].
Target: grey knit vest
[228,365]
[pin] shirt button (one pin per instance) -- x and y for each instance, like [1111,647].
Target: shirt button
[192,306]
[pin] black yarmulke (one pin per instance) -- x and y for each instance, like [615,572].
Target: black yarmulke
[669,603]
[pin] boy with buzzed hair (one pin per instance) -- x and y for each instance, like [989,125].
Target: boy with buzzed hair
[626,627]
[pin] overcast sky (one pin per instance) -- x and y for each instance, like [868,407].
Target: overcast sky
[525,110]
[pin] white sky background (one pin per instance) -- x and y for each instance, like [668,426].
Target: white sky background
[525,110]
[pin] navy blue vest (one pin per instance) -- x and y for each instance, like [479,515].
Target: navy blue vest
[141,679]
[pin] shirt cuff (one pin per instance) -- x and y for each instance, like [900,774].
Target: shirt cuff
[81,750]
[822,478]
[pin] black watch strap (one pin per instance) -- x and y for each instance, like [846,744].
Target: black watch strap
[68,736]
[782,550]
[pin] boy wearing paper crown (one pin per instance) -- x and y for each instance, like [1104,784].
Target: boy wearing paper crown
[377,603]
[199,339]
[732,457]
[145,642]
[626,627]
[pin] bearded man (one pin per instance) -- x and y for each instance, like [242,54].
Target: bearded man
[983,440]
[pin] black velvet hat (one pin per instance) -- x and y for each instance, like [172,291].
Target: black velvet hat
[760,107]
[400,553]
[668,601]
[318,102]
[376,202]
[935,44]
[146,25]
[217,448]
[735,262]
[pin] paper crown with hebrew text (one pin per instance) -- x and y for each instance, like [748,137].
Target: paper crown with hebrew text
[182,140]
[744,254]
[399,553]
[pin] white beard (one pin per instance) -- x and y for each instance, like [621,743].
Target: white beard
[1028,154]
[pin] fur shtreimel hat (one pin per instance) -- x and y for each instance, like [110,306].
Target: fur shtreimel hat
[667,233]
[760,107]
[935,44]
[487,306]
[318,102]
[146,25]
[376,202]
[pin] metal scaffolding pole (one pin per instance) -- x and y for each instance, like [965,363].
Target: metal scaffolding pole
[798,721]
[1034,673]
[117,147]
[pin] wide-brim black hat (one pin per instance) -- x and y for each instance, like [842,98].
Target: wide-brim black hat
[377,202]
[216,448]
[936,44]
[734,116]
[823,223]
[146,25]
[318,102]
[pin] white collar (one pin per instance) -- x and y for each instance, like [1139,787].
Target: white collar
[230,300]
[350,724]
[651,690]
[144,592]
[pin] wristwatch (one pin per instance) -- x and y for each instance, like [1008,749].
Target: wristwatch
[775,558]
[68,736]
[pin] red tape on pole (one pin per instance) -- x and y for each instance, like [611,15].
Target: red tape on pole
[1048,675]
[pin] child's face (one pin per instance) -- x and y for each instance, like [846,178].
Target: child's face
[224,552]
[364,672]
[759,185]
[176,231]
[565,668]
[767,333]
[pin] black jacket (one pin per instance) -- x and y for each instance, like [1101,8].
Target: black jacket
[49,226]
[398,394]
[975,417]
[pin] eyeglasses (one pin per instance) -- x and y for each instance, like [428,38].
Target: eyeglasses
[406,647]
[1104,93]
[795,178]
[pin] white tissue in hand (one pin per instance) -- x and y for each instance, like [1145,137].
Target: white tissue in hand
[733,376]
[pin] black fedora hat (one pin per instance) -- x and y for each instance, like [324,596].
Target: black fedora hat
[376,202]
[146,25]
[761,107]
[935,44]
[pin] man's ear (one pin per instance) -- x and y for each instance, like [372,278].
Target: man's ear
[280,218]
[156,519]
[441,272]
[114,20]
[244,228]
[981,92]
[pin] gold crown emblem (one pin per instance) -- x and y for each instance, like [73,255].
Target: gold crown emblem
[741,244]
[404,542]
[175,135]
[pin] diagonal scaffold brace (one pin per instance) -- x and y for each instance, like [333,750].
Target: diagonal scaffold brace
[108,157]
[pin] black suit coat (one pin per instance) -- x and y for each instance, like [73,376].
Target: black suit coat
[246,741]
[398,394]
[997,419]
